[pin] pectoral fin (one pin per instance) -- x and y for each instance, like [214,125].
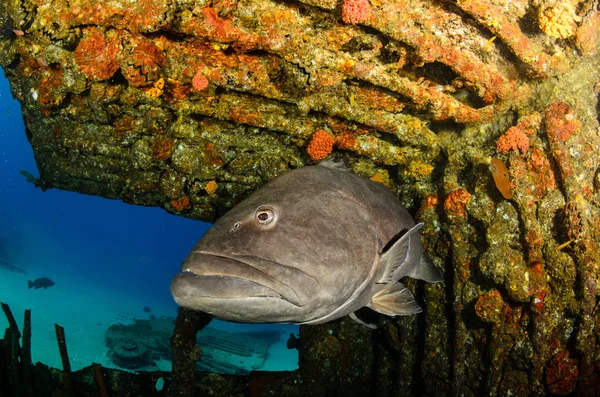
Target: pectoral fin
[397,255]
[394,300]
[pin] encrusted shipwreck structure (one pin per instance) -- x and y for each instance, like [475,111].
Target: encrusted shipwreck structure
[482,116]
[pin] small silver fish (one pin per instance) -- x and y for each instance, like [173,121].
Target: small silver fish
[312,245]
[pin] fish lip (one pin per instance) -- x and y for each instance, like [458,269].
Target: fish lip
[286,292]
[267,292]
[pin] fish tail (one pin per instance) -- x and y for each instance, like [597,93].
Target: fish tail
[30,284]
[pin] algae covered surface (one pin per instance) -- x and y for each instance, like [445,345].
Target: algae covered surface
[481,116]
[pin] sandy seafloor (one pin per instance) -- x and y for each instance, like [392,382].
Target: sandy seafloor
[86,311]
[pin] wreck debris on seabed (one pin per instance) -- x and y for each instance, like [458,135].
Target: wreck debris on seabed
[20,378]
[481,116]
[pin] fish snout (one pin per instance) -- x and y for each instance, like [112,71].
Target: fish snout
[190,290]
[211,275]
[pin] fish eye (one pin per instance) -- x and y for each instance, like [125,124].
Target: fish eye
[265,215]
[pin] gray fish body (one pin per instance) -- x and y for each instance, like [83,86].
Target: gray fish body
[43,282]
[313,245]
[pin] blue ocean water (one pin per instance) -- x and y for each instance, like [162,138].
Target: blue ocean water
[87,243]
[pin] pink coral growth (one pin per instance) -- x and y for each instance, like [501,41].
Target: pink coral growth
[513,139]
[199,82]
[356,11]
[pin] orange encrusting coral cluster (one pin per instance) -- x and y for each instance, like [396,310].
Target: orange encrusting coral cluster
[211,187]
[490,306]
[346,141]
[541,166]
[517,137]
[321,145]
[96,56]
[560,122]
[455,203]
[182,204]
[141,61]
[513,139]
[418,169]
[382,176]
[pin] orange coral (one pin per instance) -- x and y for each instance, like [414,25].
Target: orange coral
[431,202]
[96,56]
[178,90]
[142,62]
[490,306]
[345,140]
[514,138]
[211,187]
[588,34]
[221,27]
[321,145]
[378,177]
[49,94]
[560,122]
[182,204]
[455,204]
[542,169]
[383,177]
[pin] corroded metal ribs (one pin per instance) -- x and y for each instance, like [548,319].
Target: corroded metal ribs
[117,84]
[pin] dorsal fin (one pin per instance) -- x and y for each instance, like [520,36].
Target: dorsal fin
[396,256]
[333,163]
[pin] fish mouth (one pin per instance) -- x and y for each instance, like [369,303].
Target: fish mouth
[212,275]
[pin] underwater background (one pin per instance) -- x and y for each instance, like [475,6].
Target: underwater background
[482,117]
[111,263]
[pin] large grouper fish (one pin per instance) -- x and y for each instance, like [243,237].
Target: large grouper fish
[312,245]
